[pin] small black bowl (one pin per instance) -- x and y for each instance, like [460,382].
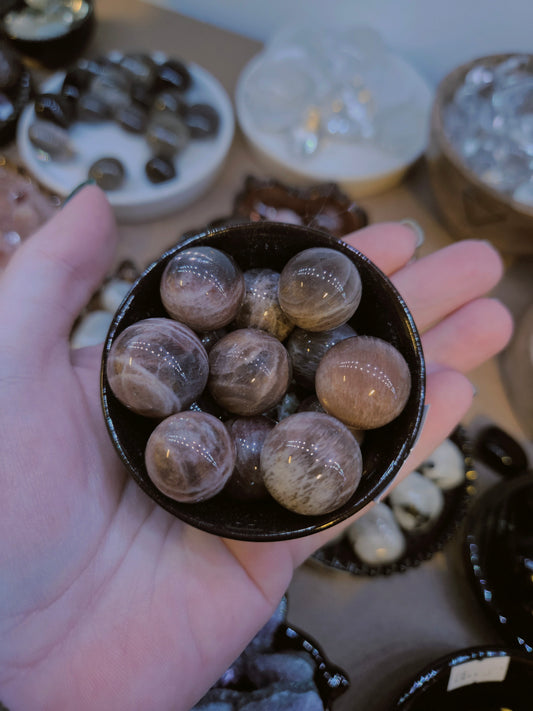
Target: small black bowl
[381,313]
[498,554]
[488,678]
[56,50]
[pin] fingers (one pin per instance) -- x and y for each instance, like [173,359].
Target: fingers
[468,337]
[442,282]
[390,245]
[54,273]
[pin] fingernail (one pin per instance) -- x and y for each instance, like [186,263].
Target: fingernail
[419,232]
[77,189]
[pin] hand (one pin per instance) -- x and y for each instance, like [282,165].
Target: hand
[106,600]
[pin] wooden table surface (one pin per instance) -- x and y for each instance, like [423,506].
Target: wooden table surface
[380,630]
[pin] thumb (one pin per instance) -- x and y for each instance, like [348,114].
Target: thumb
[54,273]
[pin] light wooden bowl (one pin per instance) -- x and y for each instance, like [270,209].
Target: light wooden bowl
[470,207]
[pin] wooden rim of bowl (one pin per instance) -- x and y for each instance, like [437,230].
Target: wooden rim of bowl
[443,96]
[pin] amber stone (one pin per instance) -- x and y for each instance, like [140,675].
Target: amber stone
[249,371]
[248,434]
[108,173]
[56,108]
[311,463]
[160,169]
[260,307]
[202,287]
[363,381]
[306,349]
[319,289]
[190,456]
[202,120]
[157,367]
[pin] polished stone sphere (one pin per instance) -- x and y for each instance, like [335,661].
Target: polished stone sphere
[248,434]
[260,307]
[306,349]
[311,463]
[363,381]
[249,371]
[319,289]
[190,456]
[202,287]
[157,366]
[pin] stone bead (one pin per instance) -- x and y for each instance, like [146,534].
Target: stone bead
[417,502]
[190,456]
[173,74]
[55,108]
[248,434]
[160,170]
[51,139]
[171,101]
[132,118]
[363,381]
[91,108]
[376,538]
[202,287]
[249,371]
[319,289]
[307,348]
[260,307]
[202,120]
[7,109]
[10,68]
[311,463]
[108,173]
[75,83]
[140,68]
[112,87]
[167,134]
[157,367]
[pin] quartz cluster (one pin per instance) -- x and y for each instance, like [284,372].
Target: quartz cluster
[260,385]
[144,95]
[489,121]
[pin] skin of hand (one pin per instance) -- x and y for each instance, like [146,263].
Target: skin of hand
[107,601]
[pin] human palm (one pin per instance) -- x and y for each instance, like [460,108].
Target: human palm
[106,600]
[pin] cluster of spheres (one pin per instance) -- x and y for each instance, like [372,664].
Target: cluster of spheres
[221,372]
[143,96]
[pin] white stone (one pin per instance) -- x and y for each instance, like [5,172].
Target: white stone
[376,537]
[416,502]
[446,466]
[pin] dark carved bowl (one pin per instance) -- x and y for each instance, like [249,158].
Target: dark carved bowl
[488,678]
[382,313]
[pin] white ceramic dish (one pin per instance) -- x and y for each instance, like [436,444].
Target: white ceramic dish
[360,169]
[138,200]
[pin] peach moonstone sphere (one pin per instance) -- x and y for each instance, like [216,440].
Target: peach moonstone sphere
[311,463]
[249,371]
[190,456]
[319,289]
[260,307]
[157,366]
[363,381]
[202,287]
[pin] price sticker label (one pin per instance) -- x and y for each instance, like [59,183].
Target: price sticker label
[478,671]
